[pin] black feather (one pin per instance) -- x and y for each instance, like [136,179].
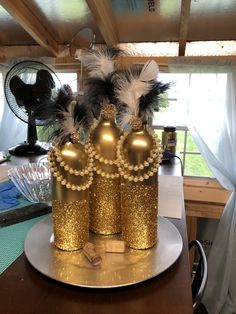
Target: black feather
[83,115]
[49,109]
[99,91]
[150,102]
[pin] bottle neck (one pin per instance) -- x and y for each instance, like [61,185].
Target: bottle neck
[111,121]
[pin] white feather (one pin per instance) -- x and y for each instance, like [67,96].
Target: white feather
[98,63]
[130,90]
[149,71]
[68,124]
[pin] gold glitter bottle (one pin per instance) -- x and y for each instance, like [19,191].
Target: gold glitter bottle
[105,189]
[139,159]
[71,168]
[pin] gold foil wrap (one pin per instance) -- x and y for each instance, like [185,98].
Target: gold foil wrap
[70,224]
[139,199]
[70,209]
[105,216]
[105,192]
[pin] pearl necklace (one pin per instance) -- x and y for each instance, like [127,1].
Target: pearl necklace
[56,173]
[110,162]
[88,168]
[153,160]
[96,156]
[106,174]
[101,159]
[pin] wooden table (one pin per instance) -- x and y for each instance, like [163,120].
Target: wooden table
[24,290]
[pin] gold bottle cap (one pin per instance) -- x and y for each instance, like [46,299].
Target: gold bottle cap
[108,111]
[136,123]
[75,137]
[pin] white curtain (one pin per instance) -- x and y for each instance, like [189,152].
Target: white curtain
[12,129]
[212,123]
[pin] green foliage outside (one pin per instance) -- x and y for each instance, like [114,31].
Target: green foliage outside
[44,133]
[194,164]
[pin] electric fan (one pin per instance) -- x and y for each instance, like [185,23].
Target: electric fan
[31,90]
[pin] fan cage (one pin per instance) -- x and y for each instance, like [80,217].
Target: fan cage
[27,71]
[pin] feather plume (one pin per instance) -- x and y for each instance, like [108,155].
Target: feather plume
[75,118]
[99,91]
[150,102]
[100,62]
[83,115]
[133,84]
[68,124]
[149,71]
[99,87]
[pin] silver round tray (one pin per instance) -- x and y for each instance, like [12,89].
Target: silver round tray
[116,270]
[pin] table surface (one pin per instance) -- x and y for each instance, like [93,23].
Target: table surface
[24,290]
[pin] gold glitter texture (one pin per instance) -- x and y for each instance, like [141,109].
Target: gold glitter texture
[105,191]
[105,205]
[108,111]
[136,123]
[75,137]
[70,224]
[139,213]
[139,199]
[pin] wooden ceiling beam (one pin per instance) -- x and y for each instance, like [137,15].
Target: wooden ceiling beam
[27,18]
[31,51]
[184,23]
[35,51]
[127,61]
[103,16]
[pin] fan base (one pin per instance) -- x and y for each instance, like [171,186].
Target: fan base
[26,149]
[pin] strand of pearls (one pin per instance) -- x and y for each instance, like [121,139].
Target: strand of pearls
[155,154]
[153,160]
[102,159]
[105,161]
[140,178]
[69,185]
[56,173]
[96,156]
[88,168]
[106,174]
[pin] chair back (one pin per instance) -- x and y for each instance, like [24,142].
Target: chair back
[200,278]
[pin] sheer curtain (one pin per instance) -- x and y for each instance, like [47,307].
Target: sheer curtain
[211,96]
[12,129]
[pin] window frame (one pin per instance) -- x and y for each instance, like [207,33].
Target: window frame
[183,152]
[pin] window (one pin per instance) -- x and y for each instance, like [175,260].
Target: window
[175,114]
[70,78]
[1,96]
